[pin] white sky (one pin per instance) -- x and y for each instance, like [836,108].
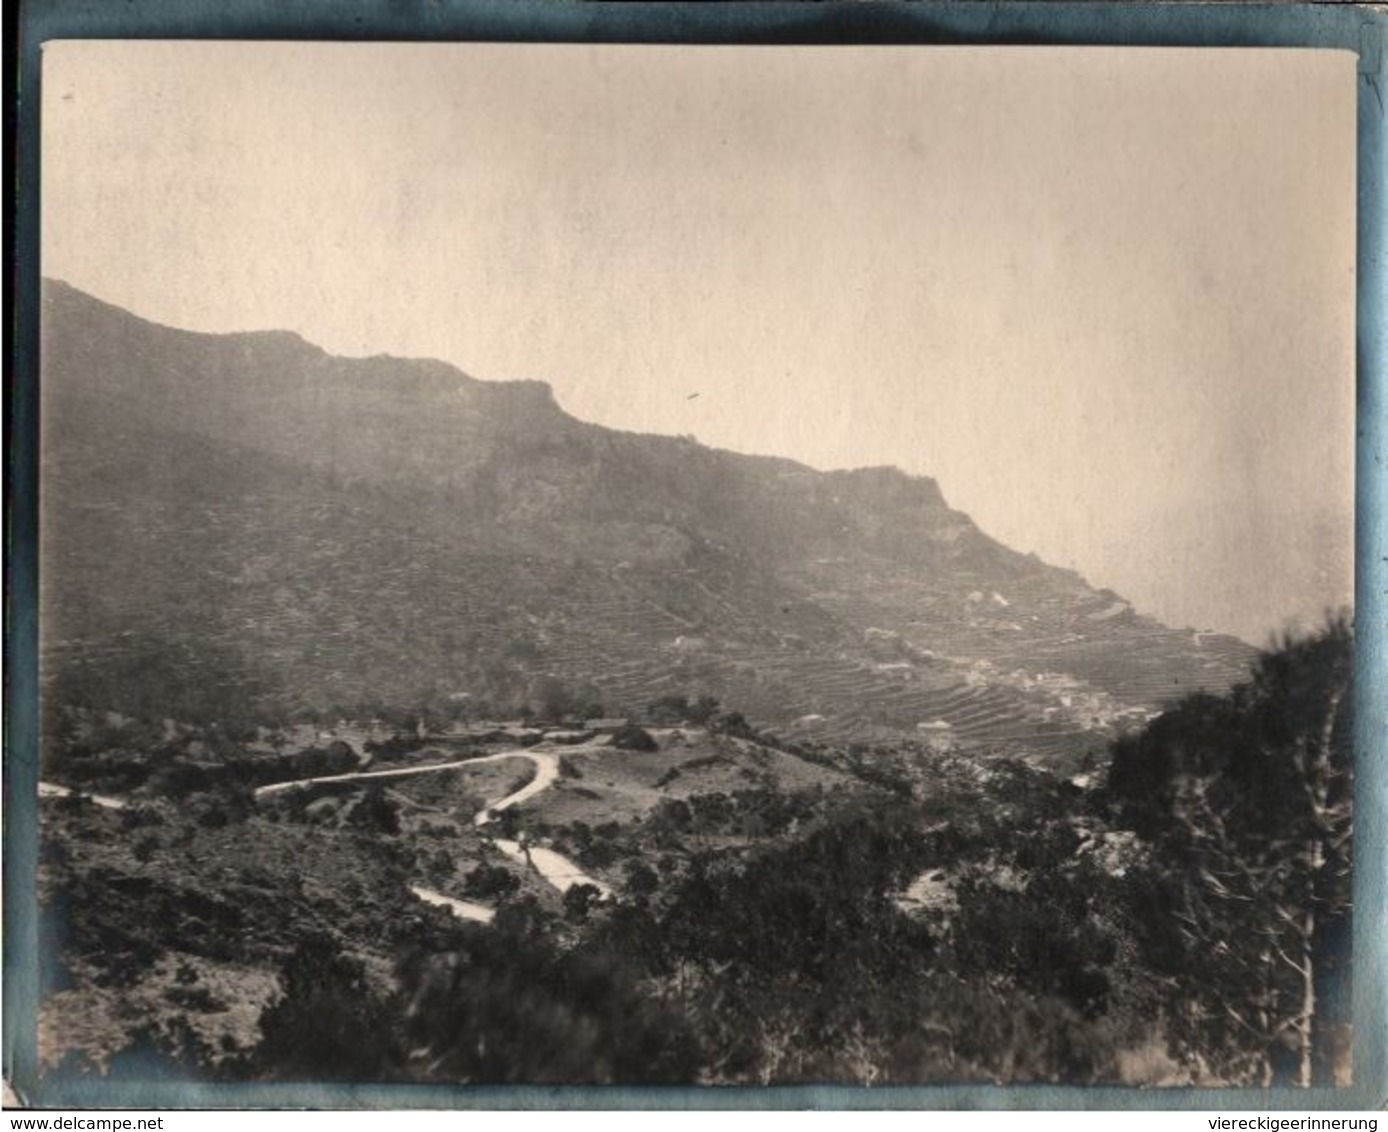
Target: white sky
[1104,296]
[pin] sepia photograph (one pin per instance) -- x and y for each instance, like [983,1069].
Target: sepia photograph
[633,564]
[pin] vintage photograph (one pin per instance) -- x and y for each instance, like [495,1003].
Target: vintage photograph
[628,564]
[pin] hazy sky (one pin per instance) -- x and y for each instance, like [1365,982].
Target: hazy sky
[1105,297]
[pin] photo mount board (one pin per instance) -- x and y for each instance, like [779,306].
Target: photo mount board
[1360,30]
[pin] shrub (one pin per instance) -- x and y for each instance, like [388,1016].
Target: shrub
[579,901]
[631,737]
[375,812]
[489,882]
[641,879]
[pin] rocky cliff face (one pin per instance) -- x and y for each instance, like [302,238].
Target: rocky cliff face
[243,522]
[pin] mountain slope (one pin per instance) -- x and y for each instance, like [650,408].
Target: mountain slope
[244,524]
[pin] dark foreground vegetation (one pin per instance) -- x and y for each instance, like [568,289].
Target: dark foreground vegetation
[870,917]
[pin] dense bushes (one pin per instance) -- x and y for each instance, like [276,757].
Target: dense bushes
[328,1024]
[505,1005]
[490,882]
[1246,902]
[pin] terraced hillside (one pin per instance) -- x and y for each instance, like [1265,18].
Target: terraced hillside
[1040,622]
[242,524]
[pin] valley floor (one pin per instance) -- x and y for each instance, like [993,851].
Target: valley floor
[687,902]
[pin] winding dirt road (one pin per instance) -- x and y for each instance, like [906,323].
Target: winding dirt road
[397,772]
[555,868]
[53,790]
[463,909]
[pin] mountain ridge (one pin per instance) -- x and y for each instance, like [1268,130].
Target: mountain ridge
[341,529]
[530,390]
